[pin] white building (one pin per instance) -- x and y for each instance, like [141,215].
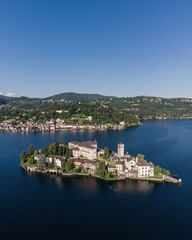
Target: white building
[57,160]
[85,149]
[130,163]
[119,167]
[145,169]
[138,167]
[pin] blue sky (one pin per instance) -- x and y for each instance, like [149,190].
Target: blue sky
[111,47]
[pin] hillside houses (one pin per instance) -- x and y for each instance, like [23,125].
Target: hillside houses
[12,125]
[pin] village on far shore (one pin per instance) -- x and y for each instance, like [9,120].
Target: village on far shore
[58,124]
[85,158]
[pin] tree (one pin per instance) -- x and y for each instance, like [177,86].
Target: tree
[64,150]
[140,156]
[23,156]
[31,149]
[52,149]
[157,170]
[101,169]
[41,164]
[67,153]
[63,163]
[168,172]
[68,166]
[35,153]
[164,171]
[70,152]
[60,150]
[106,152]
[45,151]
[30,161]
[78,170]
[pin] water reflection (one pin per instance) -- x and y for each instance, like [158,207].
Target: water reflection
[88,185]
[134,186]
[91,185]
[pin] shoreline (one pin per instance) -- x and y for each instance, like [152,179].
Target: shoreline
[75,129]
[141,123]
[59,173]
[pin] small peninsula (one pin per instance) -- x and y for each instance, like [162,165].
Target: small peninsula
[85,158]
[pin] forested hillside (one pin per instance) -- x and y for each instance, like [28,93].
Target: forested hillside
[91,104]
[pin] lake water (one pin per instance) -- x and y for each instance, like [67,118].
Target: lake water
[36,206]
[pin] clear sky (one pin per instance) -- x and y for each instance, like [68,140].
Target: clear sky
[111,47]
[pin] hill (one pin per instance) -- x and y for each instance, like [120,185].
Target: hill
[145,107]
[84,97]
[2,101]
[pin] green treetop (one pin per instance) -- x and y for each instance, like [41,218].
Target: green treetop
[31,149]
[106,152]
[23,156]
[140,156]
[68,166]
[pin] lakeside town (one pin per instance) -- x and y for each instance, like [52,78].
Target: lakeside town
[52,125]
[85,158]
[86,111]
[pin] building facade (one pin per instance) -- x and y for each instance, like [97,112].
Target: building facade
[86,149]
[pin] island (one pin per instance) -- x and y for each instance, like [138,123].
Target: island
[86,158]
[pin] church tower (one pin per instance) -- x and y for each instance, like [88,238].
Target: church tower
[120,150]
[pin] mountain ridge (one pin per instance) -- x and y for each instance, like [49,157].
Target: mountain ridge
[73,96]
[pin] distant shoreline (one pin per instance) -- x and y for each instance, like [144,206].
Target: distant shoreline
[75,128]
[142,121]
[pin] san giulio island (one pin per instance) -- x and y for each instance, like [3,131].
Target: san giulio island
[87,159]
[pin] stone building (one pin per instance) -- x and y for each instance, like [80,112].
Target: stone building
[89,165]
[56,159]
[120,150]
[138,167]
[86,149]
[145,169]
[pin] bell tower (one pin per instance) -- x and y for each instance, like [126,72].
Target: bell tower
[120,150]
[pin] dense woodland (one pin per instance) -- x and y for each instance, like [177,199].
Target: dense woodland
[103,109]
[154,107]
[73,112]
